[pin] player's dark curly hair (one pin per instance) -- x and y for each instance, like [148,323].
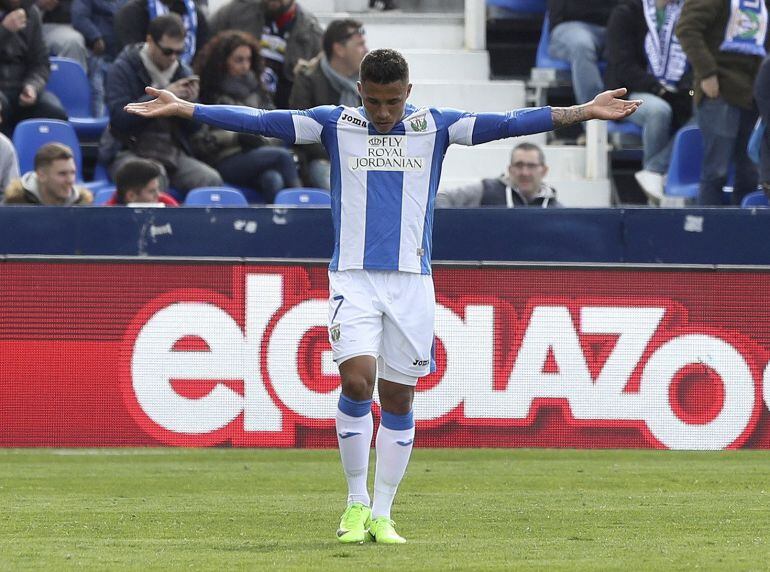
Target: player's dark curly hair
[211,62]
[384,66]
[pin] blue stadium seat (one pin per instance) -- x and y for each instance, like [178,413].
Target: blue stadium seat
[69,82]
[101,196]
[520,6]
[686,159]
[755,199]
[215,197]
[304,197]
[755,141]
[542,59]
[31,134]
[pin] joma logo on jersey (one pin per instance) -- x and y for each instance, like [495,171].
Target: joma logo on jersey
[353,120]
[420,362]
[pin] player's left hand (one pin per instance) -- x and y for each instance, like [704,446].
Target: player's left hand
[608,105]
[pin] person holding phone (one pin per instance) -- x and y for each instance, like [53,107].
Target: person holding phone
[231,69]
[155,62]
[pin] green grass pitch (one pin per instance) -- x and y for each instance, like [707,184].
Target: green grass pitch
[460,509]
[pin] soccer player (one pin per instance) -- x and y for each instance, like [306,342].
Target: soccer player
[386,162]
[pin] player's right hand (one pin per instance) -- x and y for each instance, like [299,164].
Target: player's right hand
[165,104]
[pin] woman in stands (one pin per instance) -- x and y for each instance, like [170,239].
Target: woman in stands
[230,69]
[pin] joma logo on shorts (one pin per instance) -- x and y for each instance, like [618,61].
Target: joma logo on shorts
[420,362]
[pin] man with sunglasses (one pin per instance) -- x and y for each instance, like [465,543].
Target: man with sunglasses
[521,186]
[154,62]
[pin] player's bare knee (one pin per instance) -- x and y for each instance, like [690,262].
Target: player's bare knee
[358,387]
[396,398]
[358,377]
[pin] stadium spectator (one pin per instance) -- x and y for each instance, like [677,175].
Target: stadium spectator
[154,62]
[59,35]
[383,4]
[51,183]
[725,42]
[286,32]
[230,70]
[133,20]
[328,79]
[578,34]
[521,186]
[95,20]
[762,97]
[24,67]
[644,55]
[9,163]
[384,183]
[140,181]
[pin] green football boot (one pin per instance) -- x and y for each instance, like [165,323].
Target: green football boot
[383,531]
[354,524]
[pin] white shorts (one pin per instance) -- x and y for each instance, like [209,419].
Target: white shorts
[385,314]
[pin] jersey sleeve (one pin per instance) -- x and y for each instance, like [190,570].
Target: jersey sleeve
[291,126]
[474,128]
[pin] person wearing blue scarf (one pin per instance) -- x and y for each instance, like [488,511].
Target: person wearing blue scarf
[644,55]
[725,41]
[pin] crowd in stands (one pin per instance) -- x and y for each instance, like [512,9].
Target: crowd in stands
[689,61]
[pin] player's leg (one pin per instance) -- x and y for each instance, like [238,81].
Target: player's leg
[406,354]
[395,437]
[355,331]
[354,426]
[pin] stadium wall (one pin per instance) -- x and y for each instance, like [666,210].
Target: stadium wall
[124,349]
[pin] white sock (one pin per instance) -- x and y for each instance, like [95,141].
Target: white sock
[354,435]
[393,446]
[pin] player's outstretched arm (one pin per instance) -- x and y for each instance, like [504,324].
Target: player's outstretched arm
[607,105]
[165,104]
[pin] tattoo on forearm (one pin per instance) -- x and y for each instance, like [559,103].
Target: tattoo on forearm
[564,116]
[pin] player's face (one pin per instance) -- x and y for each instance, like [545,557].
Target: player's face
[239,61]
[56,180]
[527,171]
[147,194]
[384,102]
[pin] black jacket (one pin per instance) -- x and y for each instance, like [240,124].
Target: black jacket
[23,55]
[590,11]
[627,64]
[125,83]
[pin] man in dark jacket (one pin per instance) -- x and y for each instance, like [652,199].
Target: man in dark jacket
[154,62]
[24,67]
[286,32]
[578,35]
[725,44]
[644,55]
[522,186]
[133,19]
[328,79]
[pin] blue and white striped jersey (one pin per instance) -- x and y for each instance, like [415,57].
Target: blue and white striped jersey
[383,186]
